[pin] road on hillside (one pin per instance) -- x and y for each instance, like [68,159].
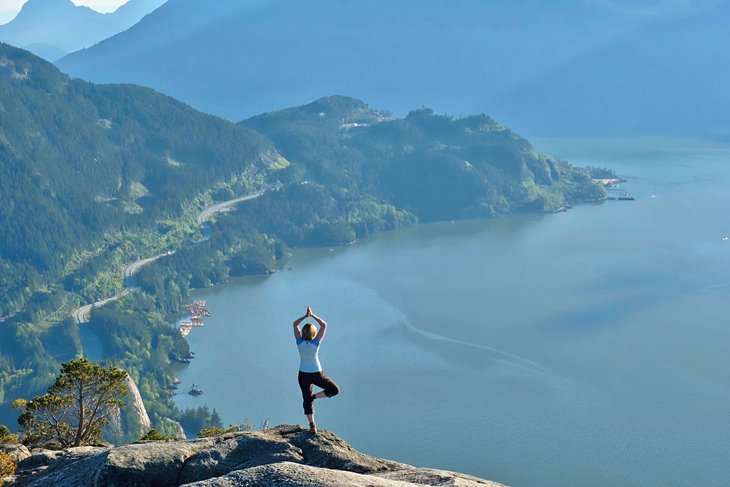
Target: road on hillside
[205,215]
[134,267]
[81,315]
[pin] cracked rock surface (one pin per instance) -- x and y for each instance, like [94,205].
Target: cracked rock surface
[281,456]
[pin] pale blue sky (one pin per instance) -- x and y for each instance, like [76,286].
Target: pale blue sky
[10,8]
[637,9]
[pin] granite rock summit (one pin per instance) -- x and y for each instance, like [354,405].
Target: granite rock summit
[283,456]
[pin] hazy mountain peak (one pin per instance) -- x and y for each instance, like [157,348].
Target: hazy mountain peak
[53,28]
[37,5]
[39,10]
[457,56]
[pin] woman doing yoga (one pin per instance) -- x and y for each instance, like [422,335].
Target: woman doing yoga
[310,370]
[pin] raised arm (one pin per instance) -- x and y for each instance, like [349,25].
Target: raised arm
[297,331]
[322,326]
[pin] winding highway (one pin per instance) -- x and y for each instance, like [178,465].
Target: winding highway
[205,215]
[81,315]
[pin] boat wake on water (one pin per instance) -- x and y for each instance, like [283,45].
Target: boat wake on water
[722,289]
[496,354]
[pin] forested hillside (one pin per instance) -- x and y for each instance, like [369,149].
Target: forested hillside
[433,166]
[91,178]
[84,162]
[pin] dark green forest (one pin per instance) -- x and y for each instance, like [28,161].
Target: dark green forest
[94,177]
[90,165]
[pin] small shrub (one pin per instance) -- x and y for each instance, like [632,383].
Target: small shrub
[6,436]
[215,431]
[154,435]
[7,466]
[208,432]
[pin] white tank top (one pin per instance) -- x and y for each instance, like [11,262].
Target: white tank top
[309,355]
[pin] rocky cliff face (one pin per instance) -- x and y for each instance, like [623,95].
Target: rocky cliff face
[134,403]
[131,422]
[283,456]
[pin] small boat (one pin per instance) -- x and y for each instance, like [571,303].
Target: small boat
[725,237]
[195,390]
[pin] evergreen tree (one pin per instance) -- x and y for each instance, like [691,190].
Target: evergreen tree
[76,407]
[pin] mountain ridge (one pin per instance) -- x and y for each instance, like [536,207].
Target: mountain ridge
[53,28]
[263,56]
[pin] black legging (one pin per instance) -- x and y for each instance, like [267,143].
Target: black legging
[319,379]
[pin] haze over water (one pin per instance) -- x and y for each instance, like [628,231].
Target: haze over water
[579,348]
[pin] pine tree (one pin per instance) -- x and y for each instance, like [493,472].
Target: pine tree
[76,407]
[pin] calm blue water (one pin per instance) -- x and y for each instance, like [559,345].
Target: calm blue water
[581,348]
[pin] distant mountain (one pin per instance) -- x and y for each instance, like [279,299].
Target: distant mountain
[53,28]
[577,62]
[670,77]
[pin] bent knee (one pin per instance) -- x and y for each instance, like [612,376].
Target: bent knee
[332,391]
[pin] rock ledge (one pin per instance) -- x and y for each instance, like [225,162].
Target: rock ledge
[282,456]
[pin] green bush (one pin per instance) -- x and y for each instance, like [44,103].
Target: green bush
[7,466]
[154,435]
[215,431]
[6,436]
